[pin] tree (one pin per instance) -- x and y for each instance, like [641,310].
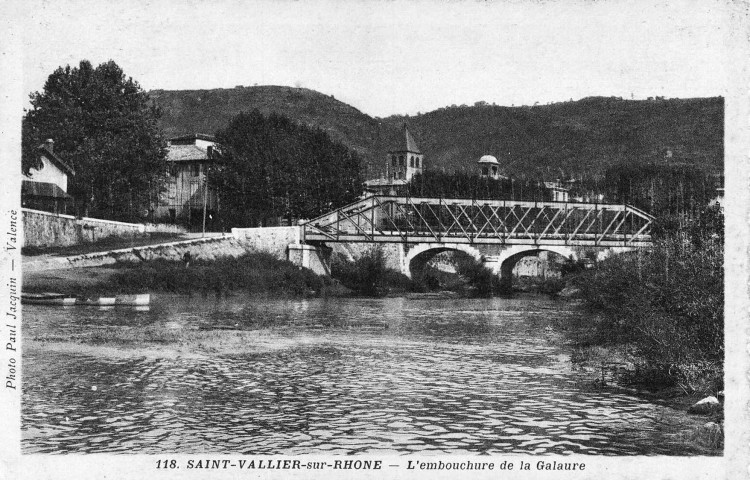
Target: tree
[272,167]
[105,127]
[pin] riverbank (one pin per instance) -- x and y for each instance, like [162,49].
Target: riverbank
[252,273]
[654,318]
[606,365]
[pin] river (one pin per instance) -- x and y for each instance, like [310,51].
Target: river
[338,376]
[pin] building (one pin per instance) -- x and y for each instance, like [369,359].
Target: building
[187,193]
[406,160]
[403,161]
[46,185]
[557,192]
[490,168]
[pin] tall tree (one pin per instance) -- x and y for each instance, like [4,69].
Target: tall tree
[273,167]
[105,127]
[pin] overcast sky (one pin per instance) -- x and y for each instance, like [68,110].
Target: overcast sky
[387,57]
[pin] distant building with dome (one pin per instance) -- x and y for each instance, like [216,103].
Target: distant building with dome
[489,167]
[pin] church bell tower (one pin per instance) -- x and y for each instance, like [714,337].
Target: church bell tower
[405,159]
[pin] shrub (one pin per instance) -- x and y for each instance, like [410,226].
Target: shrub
[668,303]
[368,274]
[429,279]
[480,278]
[253,273]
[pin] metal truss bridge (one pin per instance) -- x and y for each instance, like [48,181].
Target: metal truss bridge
[390,219]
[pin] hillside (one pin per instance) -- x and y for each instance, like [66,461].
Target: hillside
[585,135]
[206,111]
[548,140]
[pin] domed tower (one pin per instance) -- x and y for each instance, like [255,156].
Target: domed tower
[405,159]
[490,167]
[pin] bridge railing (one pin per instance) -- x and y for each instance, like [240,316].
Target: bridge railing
[404,219]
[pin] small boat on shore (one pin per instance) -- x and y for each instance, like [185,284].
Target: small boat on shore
[142,299]
[47,299]
[138,299]
[97,302]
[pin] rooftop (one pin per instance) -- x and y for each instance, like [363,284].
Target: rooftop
[408,145]
[384,182]
[191,138]
[186,153]
[488,159]
[554,186]
[44,150]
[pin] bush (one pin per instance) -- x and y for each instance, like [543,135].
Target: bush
[668,303]
[253,273]
[429,279]
[483,280]
[368,274]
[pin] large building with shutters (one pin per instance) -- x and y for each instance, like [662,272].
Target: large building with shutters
[187,193]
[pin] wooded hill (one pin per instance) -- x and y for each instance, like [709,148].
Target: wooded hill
[547,141]
[207,111]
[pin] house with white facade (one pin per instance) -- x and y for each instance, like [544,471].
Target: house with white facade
[45,186]
[557,191]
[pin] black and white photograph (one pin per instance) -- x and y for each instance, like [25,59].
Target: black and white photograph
[374,239]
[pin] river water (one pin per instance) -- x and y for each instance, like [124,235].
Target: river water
[343,376]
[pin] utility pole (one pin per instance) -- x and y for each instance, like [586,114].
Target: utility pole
[205,199]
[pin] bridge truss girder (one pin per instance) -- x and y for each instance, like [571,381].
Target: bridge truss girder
[390,219]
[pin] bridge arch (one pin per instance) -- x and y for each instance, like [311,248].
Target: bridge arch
[425,251]
[503,264]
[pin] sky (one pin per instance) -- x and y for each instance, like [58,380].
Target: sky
[392,57]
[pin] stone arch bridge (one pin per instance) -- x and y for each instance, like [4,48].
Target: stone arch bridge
[496,232]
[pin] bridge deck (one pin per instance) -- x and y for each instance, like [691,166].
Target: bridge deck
[389,219]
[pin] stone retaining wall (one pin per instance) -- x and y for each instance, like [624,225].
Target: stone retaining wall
[45,229]
[200,249]
[274,240]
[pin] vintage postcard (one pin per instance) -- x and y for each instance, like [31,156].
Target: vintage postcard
[374,239]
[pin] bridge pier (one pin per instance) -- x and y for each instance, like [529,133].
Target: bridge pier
[285,243]
[314,257]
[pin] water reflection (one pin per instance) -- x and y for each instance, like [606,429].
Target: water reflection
[350,376]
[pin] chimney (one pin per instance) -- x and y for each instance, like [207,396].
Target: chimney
[49,144]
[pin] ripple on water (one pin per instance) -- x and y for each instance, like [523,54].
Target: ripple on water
[471,376]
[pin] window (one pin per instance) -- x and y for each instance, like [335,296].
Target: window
[401,160]
[393,160]
[485,171]
[411,161]
[416,162]
[494,170]
[172,169]
[196,169]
